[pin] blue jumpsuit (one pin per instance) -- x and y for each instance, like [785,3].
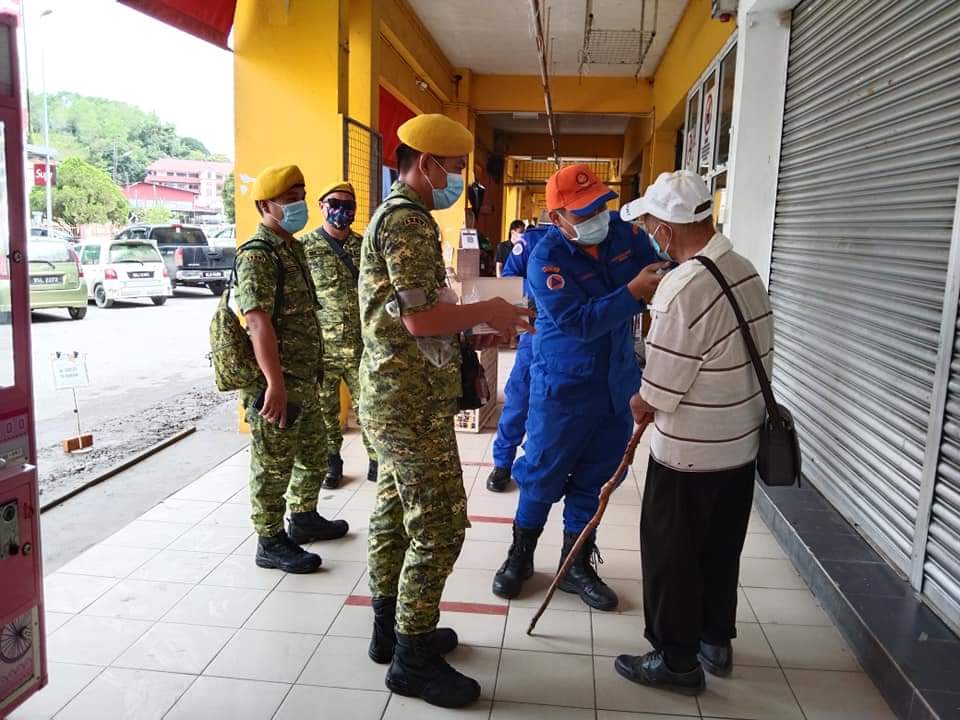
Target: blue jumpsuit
[513,418]
[583,374]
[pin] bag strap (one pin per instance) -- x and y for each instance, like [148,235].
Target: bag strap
[773,410]
[387,209]
[341,252]
[280,274]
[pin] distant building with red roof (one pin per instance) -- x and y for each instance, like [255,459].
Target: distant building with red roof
[205,178]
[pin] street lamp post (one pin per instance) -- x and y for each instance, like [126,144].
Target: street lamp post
[48,175]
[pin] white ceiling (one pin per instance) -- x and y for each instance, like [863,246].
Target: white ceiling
[567,123]
[495,37]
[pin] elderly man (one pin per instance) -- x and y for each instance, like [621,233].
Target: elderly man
[701,390]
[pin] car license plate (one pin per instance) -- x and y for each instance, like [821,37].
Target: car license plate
[213,274]
[46,280]
[141,275]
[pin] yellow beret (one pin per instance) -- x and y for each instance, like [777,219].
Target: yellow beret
[338,186]
[436,134]
[274,181]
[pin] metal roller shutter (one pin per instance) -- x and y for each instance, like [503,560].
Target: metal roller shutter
[869,163]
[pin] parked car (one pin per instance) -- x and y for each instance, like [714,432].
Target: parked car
[56,277]
[55,232]
[189,258]
[124,270]
[225,237]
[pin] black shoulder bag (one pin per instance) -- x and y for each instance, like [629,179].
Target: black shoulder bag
[474,392]
[779,461]
[341,252]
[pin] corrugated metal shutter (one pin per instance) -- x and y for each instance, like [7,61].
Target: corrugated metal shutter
[941,570]
[868,177]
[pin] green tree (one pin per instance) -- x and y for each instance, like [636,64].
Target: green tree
[83,194]
[229,198]
[157,215]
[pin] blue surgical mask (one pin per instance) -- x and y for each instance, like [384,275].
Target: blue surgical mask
[661,252]
[448,196]
[593,231]
[294,216]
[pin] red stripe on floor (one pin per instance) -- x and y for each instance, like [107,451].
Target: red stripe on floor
[473,463]
[464,607]
[491,519]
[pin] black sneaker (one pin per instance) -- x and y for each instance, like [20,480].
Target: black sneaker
[334,472]
[418,671]
[498,480]
[281,553]
[307,527]
[373,471]
[582,578]
[716,659]
[651,669]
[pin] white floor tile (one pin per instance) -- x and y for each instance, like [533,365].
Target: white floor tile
[750,647]
[342,704]
[615,634]
[617,693]
[557,631]
[170,647]
[180,511]
[66,681]
[472,586]
[744,610]
[546,679]
[216,606]
[342,662]
[750,693]
[786,607]
[262,655]
[296,612]
[231,515]
[521,711]
[402,708]
[618,537]
[615,715]
[72,593]
[138,599]
[476,629]
[239,571]
[121,694]
[355,621]
[218,488]
[147,534]
[811,648]
[480,663]
[353,547]
[94,640]
[334,578]
[211,539]
[838,696]
[482,555]
[215,698]
[766,573]
[108,561]
[52,621]
[763,545]
[178,566]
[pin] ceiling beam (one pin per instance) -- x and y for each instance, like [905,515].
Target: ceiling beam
[539,145]
[403,30]
[595,95]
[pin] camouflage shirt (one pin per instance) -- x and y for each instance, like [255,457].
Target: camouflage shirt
[402,273]
[336,291]
[301,347]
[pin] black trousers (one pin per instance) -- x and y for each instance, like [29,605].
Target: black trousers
[692,529]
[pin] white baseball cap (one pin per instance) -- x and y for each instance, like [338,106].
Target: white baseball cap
[678,197]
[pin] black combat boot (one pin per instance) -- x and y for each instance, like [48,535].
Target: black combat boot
[306,527]
[334,472]
[716,659]
[281,553]
[582,578]
[373,471]
[418,671]
[498,480]
[651,669]
[384,638]
[518,567]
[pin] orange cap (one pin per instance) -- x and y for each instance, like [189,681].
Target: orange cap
[577,189]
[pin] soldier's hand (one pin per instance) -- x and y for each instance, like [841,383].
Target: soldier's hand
[644,285]
[506,318]
[275,405]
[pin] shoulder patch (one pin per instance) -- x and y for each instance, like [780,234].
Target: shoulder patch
[415,219]
[517,249]
[556,282]
[551,268]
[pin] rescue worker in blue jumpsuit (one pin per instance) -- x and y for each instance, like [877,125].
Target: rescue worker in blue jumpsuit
[513,417]
[590,275]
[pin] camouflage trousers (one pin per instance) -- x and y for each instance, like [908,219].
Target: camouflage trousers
[337,368]
[291,461]
[418,524]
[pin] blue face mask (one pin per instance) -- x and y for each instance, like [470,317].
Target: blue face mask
[448,196]
[341,219]
[661,252]
[294,216]
[593,231]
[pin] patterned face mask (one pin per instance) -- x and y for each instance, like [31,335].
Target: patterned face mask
[340,213]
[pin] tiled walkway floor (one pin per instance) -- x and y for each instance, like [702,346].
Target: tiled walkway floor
[169,618]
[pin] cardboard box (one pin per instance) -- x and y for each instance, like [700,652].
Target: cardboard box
[476,420]
[477,289]
[468,263]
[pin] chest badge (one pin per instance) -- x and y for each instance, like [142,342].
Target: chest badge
[517,249]
[556,282]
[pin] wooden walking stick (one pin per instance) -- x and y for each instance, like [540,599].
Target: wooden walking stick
[605,492]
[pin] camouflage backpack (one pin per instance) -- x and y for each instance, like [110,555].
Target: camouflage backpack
[231,350]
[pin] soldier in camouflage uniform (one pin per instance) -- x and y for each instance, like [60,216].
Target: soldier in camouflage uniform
[409,386]
[286,453]
[333,253]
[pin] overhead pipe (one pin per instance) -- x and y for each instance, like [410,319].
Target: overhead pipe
[544,78]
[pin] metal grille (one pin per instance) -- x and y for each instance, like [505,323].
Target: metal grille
[363,166]
[537,172]
[614,47]
[868,170]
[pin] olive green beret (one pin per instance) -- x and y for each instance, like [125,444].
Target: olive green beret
[436,134]
[338,186]
[274,181]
